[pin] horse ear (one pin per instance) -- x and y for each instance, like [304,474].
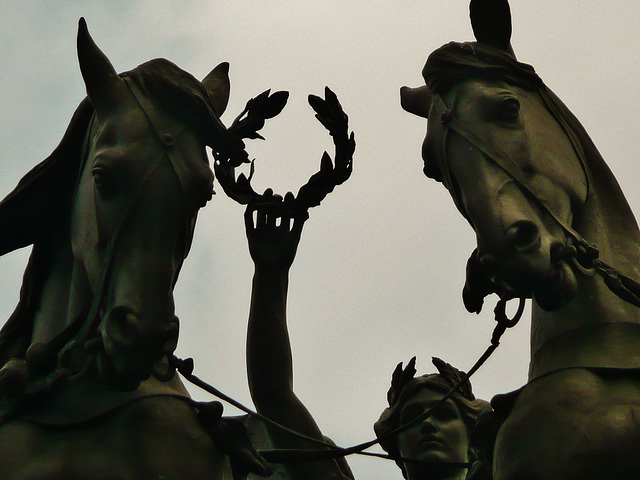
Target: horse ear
[103,84]
[491,22]
[218,86]
[416,100]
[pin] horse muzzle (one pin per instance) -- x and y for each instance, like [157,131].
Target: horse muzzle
[524,262]
[133,344]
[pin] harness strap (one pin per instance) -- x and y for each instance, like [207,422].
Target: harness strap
[168,135]
[185,368]
[165,131]
[594,346]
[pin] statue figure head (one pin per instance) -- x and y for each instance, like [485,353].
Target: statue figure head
[445,436]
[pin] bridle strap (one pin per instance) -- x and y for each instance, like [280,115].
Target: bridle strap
[165,132]
[449,121]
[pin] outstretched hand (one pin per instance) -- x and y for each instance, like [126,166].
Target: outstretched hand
[273,227]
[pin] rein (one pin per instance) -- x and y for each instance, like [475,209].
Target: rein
[186,367]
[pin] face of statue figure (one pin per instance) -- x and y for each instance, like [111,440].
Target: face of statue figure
[443,437]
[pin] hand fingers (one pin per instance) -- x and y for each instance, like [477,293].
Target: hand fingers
[273,212]
[270,220]
[248,217]
[298,223]
[258,218]
[288,198]
[268,209]
[265,214]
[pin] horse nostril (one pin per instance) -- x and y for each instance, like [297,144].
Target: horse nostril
[120,326]
[523,235]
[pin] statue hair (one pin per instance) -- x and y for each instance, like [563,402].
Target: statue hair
[404,385]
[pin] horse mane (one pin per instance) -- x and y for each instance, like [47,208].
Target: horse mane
[33,208]
[37,211]
[455,62]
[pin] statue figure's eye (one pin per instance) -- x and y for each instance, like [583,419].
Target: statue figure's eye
[510,109]
[411,412]
[445,413]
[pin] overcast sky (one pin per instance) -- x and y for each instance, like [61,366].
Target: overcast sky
[380,267]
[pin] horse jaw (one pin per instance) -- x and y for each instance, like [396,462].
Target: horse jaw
[561,288]
[133,345]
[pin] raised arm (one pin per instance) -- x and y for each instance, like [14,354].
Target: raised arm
[273,227]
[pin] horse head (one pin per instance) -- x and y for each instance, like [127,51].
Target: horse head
[145,176]
[505,154]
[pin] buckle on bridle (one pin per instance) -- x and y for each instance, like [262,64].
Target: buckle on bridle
[445,117]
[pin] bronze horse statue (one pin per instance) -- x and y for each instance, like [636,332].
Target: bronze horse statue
[551,224]
[86,387]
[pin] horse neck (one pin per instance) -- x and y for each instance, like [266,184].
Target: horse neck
[606,221]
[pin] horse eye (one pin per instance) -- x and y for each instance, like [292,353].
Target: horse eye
[104,181]
[510,109]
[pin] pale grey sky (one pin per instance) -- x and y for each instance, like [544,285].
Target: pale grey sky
[381,264]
